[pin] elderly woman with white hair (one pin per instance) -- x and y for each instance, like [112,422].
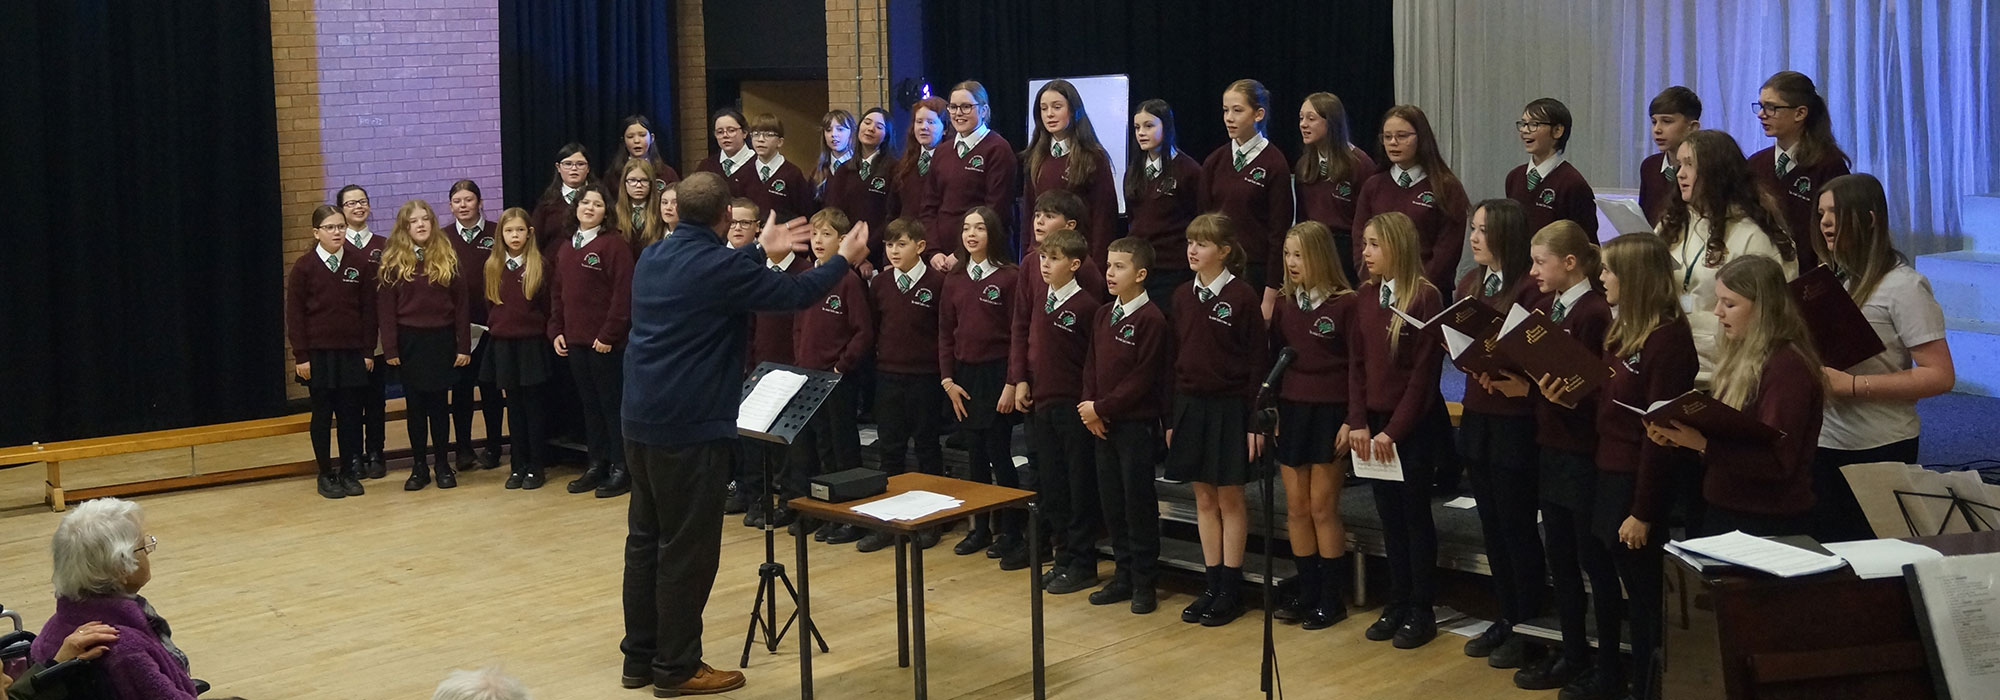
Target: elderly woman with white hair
[101,561]
[483,684]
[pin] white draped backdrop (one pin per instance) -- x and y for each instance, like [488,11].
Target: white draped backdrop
[1911,86]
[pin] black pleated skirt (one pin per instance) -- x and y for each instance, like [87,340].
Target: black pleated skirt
[336,369]
[1307,431]
[513,363]
[1210,440]
[426,355]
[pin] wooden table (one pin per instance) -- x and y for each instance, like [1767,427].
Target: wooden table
[978,499]
[1832,635]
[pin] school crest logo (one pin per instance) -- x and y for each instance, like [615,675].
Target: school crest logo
[833,302]
[1428,199]
[878,184]
[1223,311]
[1067,319]
[1803,186]
[375,255]
[486,242]
[351,274]
[1126,333]
[1257,175]
[924,295]
[1167,186]
[1548,196]
[1323,326]
[992,293]
[977,162]
[1343,190]
[778,186]
[590,259]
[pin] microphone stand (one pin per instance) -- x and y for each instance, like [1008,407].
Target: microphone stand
[1264,420]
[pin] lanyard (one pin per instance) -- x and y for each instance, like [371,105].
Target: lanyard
[1687,265]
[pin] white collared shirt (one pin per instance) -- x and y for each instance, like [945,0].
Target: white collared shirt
[1310,299]
[1059,145]
[1416,174]
[838,159]
[331,260]
[1158,165]
[970,141]
[915,273]
[777,161]
[1494,272]
[1214,286]
[1068,290]
[586,236]
[782,265]
[730,162]
[360,237]
[1576,291]
[1666,163]
[1390,285]
[463,231]
[1545,167]
[1249,150]
[570,193]
[980,270]
[515,261]
[1131,307]
[1789,153]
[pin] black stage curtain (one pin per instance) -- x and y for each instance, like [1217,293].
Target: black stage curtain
[1183,51]
[569,71]
[142,277]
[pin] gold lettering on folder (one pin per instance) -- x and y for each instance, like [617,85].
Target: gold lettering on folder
[1535,334]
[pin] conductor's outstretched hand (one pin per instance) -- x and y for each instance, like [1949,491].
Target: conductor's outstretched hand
[854,246]
[779,239]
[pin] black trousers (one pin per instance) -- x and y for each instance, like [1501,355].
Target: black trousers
[600,385]
[1837,516]
[1500,460]
[527,427]
[990,459]
[906,410]
[1575,554]
[1130,502]
[329,405]
[673,545]
[1644,605]
[374,412]
[832,441]
[1066,471]
[461,404]
[1409,533]
[427,417]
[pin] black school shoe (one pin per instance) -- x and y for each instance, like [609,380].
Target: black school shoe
[1003,544]
[350,478]
[1553,672]
[1385,626]
[1599,684]
[446,478]
[534,480]
[1516,652]
[975,540]
[489,458]
[875,541]
[927,539]
[1483,645]
[1419,628]
[617,482]
[1199,606]
[1145,599]
[329,487]
[1228,604]
[420,476]
[514,479]
[844,534]
[375,468]
[592,478]
[1118,590]
[1070,579]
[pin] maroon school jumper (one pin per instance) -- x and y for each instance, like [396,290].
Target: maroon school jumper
[1049,345]
[1402,384]
[838,332]
[1318,374]
[1562,195]
[913,191]
[743,180]
[1332,202]
[771,331]
[985,175]
[1221,343]
[1662,369]
[472,259]
[420,304]
[330,309]
[1656,188]
[592,295]
[1164,207]
[552,221]
[977,316]
[1770,478]
[1797,194]
[1573,430]
[1088,273]
[516,316]
[1126,364]
[907,323]
[786,192]
[1257,198]
[1439,216]
[1522,291]
[1099,194]
[870,200]
[371,252]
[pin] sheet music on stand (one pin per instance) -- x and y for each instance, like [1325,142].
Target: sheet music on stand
[1957,605]
[779,399]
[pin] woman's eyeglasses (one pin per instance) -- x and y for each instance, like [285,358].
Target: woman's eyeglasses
[151,544]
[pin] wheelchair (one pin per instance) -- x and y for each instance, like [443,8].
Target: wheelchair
[75,675]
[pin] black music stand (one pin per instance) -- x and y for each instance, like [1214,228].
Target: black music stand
[1264,420]
[783,431]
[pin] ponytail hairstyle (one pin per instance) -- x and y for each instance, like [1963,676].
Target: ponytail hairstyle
[1565,238]
[1397,236]
[996,248]
[907,165]
[1085,150]
[1648,296]
[1861,247]
[555,186]
[621,214]
[1816,140]
[1775,324]
[1508,239]
[1316,251]
[1135,161]
[1723,191]
[1218,230]
[531,260]
[1336,149]
[1428,156]
[823,166]
[399,259]
[1258,97]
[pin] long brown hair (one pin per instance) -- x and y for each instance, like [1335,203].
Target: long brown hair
[622,212]
[1862,249]
[657,226]
[1776,324]
[907,165]
[1336,148]
[531,259]
[1648,297]
[1316,249]
[1508,239]
[1399,241]
[1816,139]
[1217,230]
[996,245]
[823,166]
[1135,160]
[1087,151]
[1428,156]
[1723,190]
[399,258]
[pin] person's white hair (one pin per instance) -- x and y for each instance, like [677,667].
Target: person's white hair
[95,548]
[484,684]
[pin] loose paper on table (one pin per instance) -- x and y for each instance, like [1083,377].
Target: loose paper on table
[909,505]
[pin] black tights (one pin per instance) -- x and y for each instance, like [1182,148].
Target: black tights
[344,406]
[427,415]
[461,412]
[527,428]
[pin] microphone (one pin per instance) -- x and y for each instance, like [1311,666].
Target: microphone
[1284,360]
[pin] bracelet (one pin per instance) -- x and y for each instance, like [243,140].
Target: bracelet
[947,382]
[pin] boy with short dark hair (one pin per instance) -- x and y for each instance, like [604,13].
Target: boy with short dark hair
[1548,187]
[1045,365]
[1675,113]
[908,397]
[834,336]
[1124,398]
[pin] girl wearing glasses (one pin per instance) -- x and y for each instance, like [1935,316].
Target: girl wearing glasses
[330,321]
[354,209]
[1805,157]
[1548,187]
[636,133]
[1248,181]
[976,167]
[557,204]
[865,186]
[1418,184]
[732,154]
[636,209]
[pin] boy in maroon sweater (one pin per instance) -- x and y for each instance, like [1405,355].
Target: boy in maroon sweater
[908,398]
[1124,397]
[1547,186]
[776,185]
[771,340]
[834,336]
[1676,112]
[1056,210]
[1051,336]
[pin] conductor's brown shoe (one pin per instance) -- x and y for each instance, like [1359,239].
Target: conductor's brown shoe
[706,681]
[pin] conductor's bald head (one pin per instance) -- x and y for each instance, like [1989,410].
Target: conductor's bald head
[704,199]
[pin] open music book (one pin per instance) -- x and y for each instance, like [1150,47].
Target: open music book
[1702,412]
